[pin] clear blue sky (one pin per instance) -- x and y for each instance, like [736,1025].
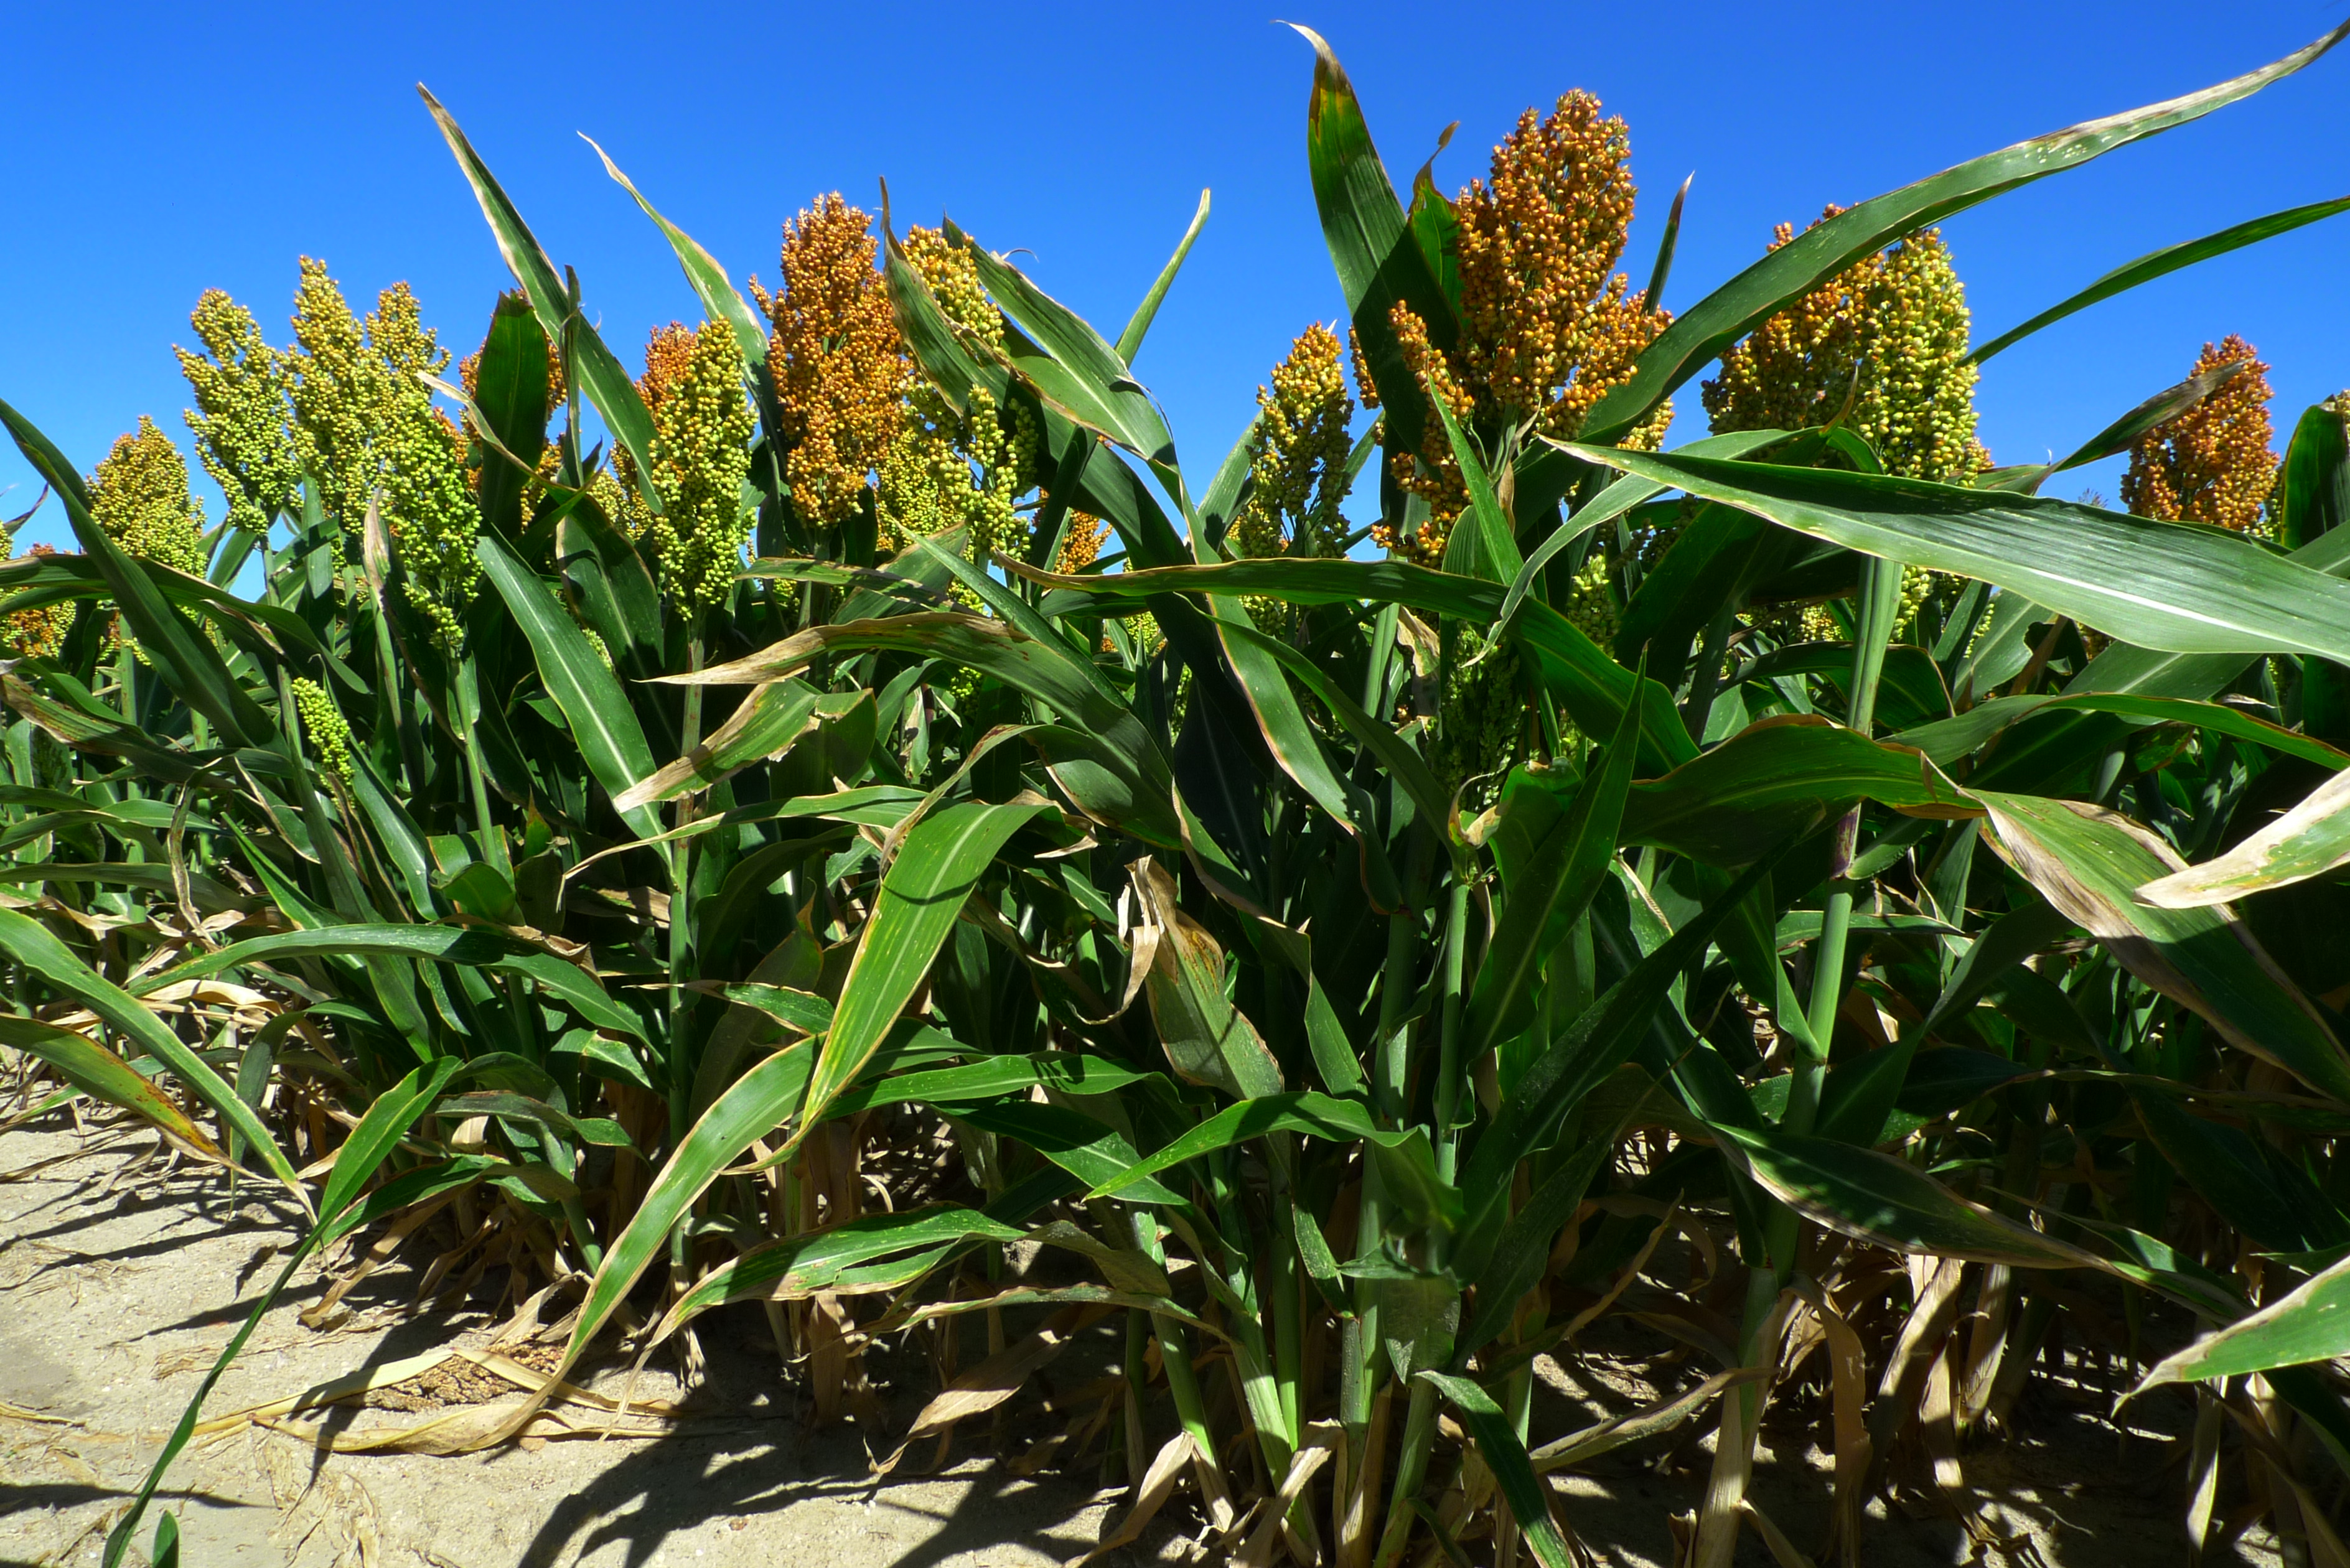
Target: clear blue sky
[158,150]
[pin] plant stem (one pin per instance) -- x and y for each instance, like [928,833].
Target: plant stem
[1448,1066]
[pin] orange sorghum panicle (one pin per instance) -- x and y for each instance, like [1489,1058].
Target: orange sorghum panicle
[838,365]
[2213,464]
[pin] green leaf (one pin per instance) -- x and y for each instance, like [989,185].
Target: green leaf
[1593,686]
[2175,586]
[1946,740]
[720,299]
[1379,264]
[1300,1111]
[2088,862]
[1612,502]
[467,947]
[799,1010]
[32,945]
[2311,840]
[1886,1201]
[1129,341]
[2312,1324]
[599,372]
[611,742]
[180,653]
[2161,263]
[1560,878]
[921,899]
[1485,548]
[510,395]
[2224,1164]
[1576,1062]
[765,725]
[1746,794]
[757,1103]
[2312,496]
[1068,364]
[1496,1437]
[1044,669]
[378,1133]
[797,1267]
[104,1075]
[2119,436]
[1702,331]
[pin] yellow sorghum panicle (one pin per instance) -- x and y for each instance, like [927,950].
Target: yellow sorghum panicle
[38,632]
[330,734]
[927,482]
[1889,334]
[838,365]
[340,392]
[700,451]
[1004,444]
[1297,463]
[1548,327]
[239,421]
[1081,542]
[2213,464]
[1297,454]
[1430,473]
[139,496]
[954,281]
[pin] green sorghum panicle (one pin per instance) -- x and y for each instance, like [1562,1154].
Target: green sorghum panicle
[701,453]
[139,496]
[1481,716]
[1297,454]
[1889,336]
[340,392]
[239,421]
[329,733]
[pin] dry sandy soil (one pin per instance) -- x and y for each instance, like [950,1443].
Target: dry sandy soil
[119,1281]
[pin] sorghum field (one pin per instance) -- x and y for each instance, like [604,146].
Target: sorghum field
[839,862]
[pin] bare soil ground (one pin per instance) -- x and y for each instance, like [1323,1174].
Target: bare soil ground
[119,1281]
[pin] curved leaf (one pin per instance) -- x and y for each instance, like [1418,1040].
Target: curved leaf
[2174,586]
[2087,863]
[1702,331]
[32,945]
[2310,840]
[2161,263]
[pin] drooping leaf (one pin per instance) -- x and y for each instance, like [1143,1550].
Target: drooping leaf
[1886,1201]
[100,1073]
[2310,840]
[2176,585]
[2088,863]
[33,946]
[1746,795]
[2161,263]
[2310,1324]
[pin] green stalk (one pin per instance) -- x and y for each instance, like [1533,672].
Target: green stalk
[1880,598]
[1448,1066]
[1412,1470]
